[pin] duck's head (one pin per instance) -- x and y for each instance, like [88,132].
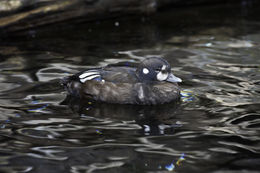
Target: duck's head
[156,69]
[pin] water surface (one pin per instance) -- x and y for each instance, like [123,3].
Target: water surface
[215,128]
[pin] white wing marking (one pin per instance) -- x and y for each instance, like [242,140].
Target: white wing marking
[89,78]
[88,73]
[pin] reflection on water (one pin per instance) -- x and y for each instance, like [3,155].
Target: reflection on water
[214,128]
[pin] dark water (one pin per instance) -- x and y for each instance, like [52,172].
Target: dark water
[215,128]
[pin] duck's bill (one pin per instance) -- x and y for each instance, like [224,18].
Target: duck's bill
[173,79]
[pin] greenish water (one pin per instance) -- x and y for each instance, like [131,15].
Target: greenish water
[215,128]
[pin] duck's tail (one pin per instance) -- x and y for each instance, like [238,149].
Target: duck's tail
[64,81]
[71,85]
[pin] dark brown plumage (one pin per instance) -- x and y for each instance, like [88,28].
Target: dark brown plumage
[150,82]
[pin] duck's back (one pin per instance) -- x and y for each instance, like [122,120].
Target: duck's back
[119,74]
[109,83]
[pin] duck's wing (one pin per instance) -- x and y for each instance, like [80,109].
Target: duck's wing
[116,74]
[123,72]
[88,75]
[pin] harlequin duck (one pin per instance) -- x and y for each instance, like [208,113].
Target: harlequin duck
[147,83]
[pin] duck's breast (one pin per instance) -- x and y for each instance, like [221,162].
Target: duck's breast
[166,92]
[156,93]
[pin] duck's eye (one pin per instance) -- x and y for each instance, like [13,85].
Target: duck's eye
[157,70]
[164,71]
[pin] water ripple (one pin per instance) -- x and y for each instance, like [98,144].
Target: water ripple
[213,128]
[96,167]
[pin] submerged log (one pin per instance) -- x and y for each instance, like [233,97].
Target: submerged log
[23,14]
[51,11]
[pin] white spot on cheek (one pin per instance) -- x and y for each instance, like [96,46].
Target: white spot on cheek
[162,76]
[145,71]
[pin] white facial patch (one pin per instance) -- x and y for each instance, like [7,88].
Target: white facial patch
[164,67]
[145,71]
[162,76]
